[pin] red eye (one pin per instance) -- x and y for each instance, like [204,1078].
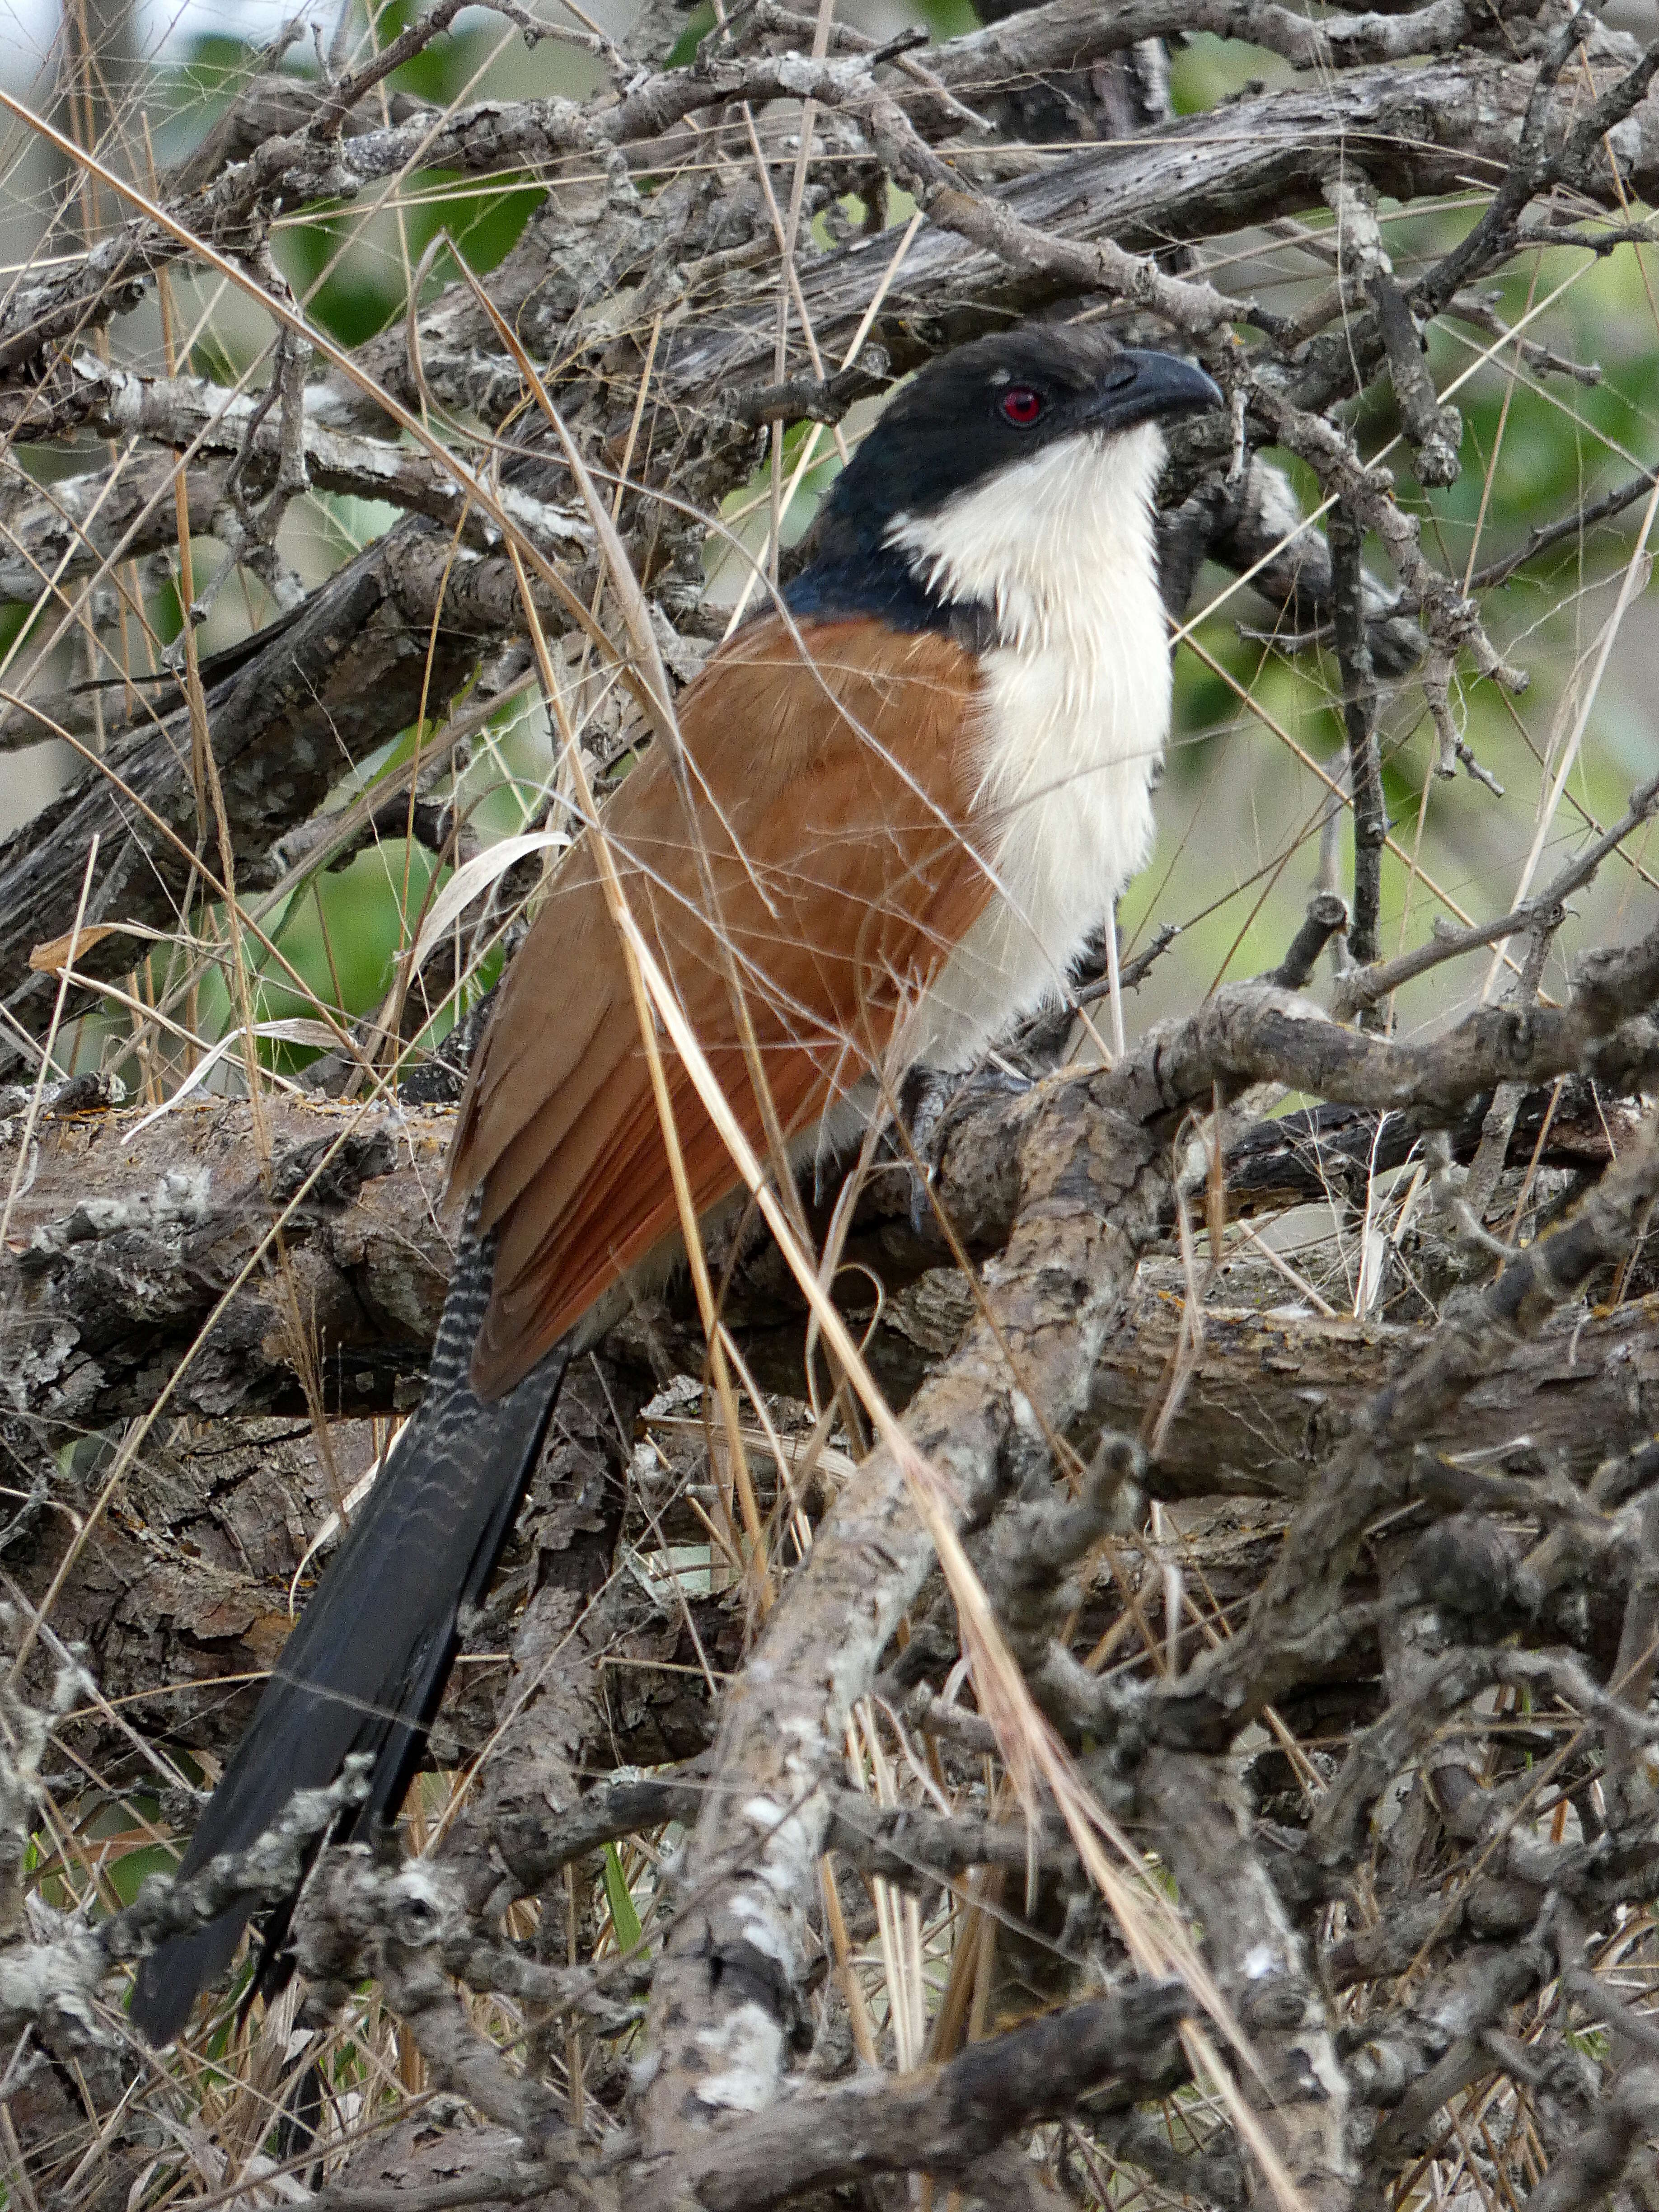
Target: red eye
[1021,405]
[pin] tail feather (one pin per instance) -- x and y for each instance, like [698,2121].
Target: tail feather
[366,1667]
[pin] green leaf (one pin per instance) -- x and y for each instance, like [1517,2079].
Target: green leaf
[624,1918]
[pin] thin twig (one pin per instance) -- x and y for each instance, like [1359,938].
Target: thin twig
[1359,703]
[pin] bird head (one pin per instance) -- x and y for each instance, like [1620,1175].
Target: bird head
[1013,407]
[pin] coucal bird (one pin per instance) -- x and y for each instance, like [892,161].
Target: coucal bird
[906,797]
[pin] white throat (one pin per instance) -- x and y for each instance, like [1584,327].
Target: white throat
[1074,715]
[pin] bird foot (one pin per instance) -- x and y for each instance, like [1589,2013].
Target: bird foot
[929,1099]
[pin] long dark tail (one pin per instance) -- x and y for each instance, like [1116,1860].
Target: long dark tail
[366,1667]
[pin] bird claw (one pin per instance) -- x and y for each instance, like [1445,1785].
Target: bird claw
[922,1188]
[928,1099]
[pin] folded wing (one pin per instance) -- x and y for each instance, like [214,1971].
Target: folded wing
[805,866]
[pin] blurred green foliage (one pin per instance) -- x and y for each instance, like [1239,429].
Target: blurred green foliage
[341,931]
[1533,451]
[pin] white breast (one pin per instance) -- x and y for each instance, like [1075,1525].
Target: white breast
[1076,712]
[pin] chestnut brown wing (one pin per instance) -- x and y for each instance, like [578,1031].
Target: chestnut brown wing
[814,857]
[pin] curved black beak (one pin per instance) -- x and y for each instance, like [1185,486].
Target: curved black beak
[1142,386]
